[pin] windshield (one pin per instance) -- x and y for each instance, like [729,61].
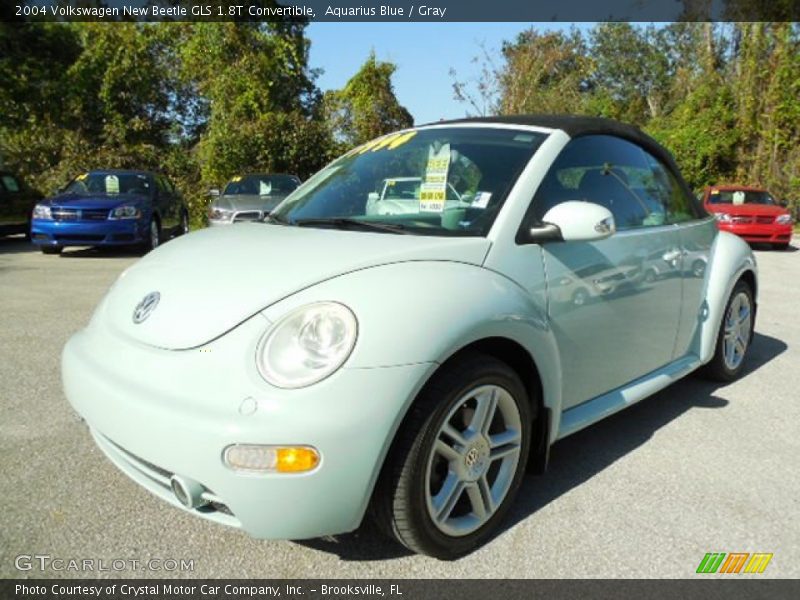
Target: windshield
[437,181]
[737,197]
[261,185]
[109,183]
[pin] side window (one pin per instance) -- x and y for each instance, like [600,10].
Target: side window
[671,194]
[608,171]
[10,184]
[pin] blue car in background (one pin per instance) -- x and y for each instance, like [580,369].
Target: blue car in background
[110,208]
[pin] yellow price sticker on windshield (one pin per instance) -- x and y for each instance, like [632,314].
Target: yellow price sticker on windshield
[402,140]
[82,176]
[385,141]
[237,178]
[369,145]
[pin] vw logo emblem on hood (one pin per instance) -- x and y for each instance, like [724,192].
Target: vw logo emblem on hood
[146,306]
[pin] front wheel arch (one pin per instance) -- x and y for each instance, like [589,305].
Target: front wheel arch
[395,504]
[522,363]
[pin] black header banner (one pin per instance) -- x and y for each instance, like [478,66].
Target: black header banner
[399,589]
[402,10]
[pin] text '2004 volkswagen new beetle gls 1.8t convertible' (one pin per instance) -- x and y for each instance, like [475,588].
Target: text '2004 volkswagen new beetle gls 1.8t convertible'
[346,358]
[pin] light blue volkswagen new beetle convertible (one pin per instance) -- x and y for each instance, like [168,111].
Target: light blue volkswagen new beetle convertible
[532,276]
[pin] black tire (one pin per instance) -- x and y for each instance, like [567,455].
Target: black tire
[718,369]
[783,246]
[184,226]
[399,504]
[51,249]
[152,241]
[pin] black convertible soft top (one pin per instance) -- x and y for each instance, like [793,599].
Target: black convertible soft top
[578,125]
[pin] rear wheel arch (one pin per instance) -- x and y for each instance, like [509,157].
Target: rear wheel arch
[750,278]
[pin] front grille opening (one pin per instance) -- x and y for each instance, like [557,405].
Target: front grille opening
[79,238]
[215,507]
[164,475]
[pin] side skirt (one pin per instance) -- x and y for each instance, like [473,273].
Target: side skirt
[591,411]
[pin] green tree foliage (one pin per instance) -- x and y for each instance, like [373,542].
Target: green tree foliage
[366,107]
[725,99]
[262,106]
[544,72]
[199,101]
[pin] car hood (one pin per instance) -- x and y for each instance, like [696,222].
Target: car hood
[242,202]
[747,209]
[214,279]
[95,200]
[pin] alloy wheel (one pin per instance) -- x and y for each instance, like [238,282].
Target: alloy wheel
[154,236]
[738,325]
[473,461]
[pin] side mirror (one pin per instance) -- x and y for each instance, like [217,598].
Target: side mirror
[213,192]
[784,203]
[574,222]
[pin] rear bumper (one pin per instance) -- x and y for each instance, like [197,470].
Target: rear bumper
[757,233]
[77,233]
[177,412]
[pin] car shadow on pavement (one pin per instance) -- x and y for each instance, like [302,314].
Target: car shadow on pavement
[16,245]
[575,459]
[768,248]
[102,252]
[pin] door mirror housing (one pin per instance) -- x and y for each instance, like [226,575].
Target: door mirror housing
[574,221]
[213,192]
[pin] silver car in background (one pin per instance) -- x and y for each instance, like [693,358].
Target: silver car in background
[250,197]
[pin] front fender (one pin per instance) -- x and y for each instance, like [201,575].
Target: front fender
[730,258]
[426,311]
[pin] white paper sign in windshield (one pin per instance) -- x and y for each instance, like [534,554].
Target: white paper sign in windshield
[433,190]
[112,184]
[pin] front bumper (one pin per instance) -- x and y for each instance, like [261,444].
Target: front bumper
[157,412]
[759,233]
[81,233]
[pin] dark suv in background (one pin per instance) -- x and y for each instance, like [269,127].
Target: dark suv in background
[16,204]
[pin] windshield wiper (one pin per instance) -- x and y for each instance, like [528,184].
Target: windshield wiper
[273,218]
[344,222]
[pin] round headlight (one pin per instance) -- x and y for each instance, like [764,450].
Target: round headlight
[307,345]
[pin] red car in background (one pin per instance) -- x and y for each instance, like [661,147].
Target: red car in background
[750,213]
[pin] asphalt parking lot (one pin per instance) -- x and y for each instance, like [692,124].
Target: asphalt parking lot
[697,468]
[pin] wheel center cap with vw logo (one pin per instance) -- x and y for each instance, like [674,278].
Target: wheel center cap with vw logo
[146,306]
[476,460]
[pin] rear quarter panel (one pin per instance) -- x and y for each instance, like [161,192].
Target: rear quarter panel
[730,258]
